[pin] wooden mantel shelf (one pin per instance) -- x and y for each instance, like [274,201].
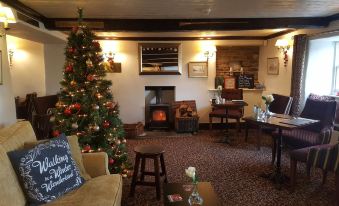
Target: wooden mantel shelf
[244,89]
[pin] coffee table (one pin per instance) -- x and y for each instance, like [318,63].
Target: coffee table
[205,190]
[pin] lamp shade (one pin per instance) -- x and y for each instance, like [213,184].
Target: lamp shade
[281,43]
[6,16]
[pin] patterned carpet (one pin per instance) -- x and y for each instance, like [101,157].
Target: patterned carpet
[233,171]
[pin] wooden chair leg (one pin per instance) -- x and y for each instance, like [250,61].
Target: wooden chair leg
[337,186]
[324,176]
[259,138]
[210,125]
[143,162]
[157,177]
[238,125]
[308,172]
[293,169]
[274,149]
[221,120]
[246,131]
[163,167]
[135,175]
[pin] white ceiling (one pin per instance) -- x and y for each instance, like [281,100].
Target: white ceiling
[192,9]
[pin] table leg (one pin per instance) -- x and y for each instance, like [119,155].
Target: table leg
[226,135]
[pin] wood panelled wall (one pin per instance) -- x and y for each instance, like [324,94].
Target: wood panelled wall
[237,57]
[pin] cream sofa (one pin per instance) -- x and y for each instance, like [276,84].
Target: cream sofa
[102,189]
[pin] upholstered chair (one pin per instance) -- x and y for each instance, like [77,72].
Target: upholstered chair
[321,108]
[325,157]
[237,114]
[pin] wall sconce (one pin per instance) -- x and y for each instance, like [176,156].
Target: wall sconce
[284,46]
[6,16]
[109,56]
[209,53]
[10,55]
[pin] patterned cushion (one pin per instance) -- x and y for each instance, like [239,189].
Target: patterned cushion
[46,171]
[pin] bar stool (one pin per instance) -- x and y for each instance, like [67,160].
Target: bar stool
[155,152]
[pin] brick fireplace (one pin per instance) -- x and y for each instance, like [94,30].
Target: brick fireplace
[158,101]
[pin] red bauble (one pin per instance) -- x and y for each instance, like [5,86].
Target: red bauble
[90,77]
[111,161]
[106,124]
[87,148]
[77,106]
[67,112]
[96,44]
[69,69]
[71,50]
[56,133]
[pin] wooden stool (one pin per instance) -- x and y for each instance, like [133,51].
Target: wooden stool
[154,152]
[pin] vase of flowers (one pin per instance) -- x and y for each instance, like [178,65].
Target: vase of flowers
[194,198]
[268,99]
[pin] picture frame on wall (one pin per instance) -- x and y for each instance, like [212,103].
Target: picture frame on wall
[198,69]
[1,76]
[230,82]
[273,66]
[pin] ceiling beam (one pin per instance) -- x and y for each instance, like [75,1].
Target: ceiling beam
[181,38]
[173,25]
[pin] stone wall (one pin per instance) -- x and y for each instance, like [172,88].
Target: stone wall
[237,57]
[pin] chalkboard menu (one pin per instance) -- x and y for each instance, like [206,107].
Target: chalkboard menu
[245,81]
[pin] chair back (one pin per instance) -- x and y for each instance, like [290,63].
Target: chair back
[321,108]
[30,106]
[232,94]
[42,104]
[281,104]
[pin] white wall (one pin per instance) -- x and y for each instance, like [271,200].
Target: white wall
[128,86]
[7,105]
[28,70]
[54,62]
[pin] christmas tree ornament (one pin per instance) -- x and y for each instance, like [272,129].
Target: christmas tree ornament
[87,148]
[71,50]
[118,142]
[75,126]
[69,69]
[73,83]
[89,63]
[95,107]
[67,112]
[77,106]
[95,127]
[124,141]
[55,133]
[106,124]
[111,161]
[90,77]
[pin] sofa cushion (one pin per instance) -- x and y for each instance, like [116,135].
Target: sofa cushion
[12,138]
[75,150]
[104,190]
[46,171]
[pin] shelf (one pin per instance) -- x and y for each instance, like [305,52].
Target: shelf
[244,89]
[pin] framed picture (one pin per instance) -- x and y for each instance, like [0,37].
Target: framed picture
[112,67]
[197,69]
[230,82]
[273,65]
[1,78]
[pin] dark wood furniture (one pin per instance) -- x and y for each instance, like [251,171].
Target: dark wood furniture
[280,105]
[185,123]
[205,190]
[25,109]
[156,153]
[282,122]
[226,107]
[232,113]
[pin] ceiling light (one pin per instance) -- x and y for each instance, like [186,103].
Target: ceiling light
[6,16]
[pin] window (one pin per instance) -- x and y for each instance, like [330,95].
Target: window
[335,80]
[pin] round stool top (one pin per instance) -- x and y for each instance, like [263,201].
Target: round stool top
[151,149]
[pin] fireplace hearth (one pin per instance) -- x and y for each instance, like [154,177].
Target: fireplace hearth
[157,110]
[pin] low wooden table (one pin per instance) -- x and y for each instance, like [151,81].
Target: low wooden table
[205,190]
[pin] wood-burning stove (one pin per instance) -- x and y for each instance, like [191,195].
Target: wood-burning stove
[158,114]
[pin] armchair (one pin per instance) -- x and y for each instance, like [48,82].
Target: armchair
[320,156]
[185,115]
[317,107]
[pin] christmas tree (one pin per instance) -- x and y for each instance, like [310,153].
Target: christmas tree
[86,107]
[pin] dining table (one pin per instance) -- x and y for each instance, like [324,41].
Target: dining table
[279,122]
[226,106]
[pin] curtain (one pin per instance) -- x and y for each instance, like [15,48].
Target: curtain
[298,73]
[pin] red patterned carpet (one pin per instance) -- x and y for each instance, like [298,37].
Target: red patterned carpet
[233,171]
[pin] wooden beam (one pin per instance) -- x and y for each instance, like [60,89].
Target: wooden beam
[280,33]
[171,25]
[182,38]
